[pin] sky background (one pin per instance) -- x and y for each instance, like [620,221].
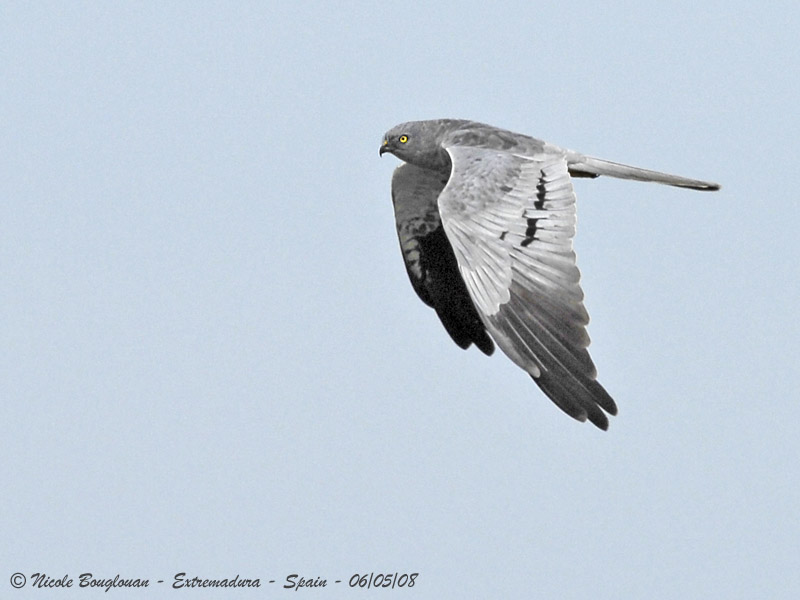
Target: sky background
[212,361]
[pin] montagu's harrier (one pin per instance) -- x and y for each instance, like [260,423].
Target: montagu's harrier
[486,219]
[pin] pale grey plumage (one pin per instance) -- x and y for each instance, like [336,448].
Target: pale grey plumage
[507,210]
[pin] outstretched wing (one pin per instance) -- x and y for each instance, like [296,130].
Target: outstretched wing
[510,220]
[429,259]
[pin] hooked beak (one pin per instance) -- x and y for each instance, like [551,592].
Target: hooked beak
[384,147]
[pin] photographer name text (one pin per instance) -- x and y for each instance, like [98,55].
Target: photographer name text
[294,581]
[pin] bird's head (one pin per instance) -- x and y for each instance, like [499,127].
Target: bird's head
[416,142]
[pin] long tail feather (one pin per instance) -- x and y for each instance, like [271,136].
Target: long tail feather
[588,166]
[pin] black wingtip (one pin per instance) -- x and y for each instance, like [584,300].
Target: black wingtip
[485,344]
[585,401]
[599,420]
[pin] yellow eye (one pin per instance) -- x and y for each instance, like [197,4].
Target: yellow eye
[403,139]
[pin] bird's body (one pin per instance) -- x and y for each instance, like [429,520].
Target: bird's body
[486,219]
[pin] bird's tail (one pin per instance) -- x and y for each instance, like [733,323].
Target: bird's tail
[588,166]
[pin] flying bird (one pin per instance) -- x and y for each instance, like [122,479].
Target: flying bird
[486,219]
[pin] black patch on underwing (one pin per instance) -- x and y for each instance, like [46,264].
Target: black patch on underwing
[442,288]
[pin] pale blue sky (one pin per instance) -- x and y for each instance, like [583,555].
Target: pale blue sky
[212,360]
